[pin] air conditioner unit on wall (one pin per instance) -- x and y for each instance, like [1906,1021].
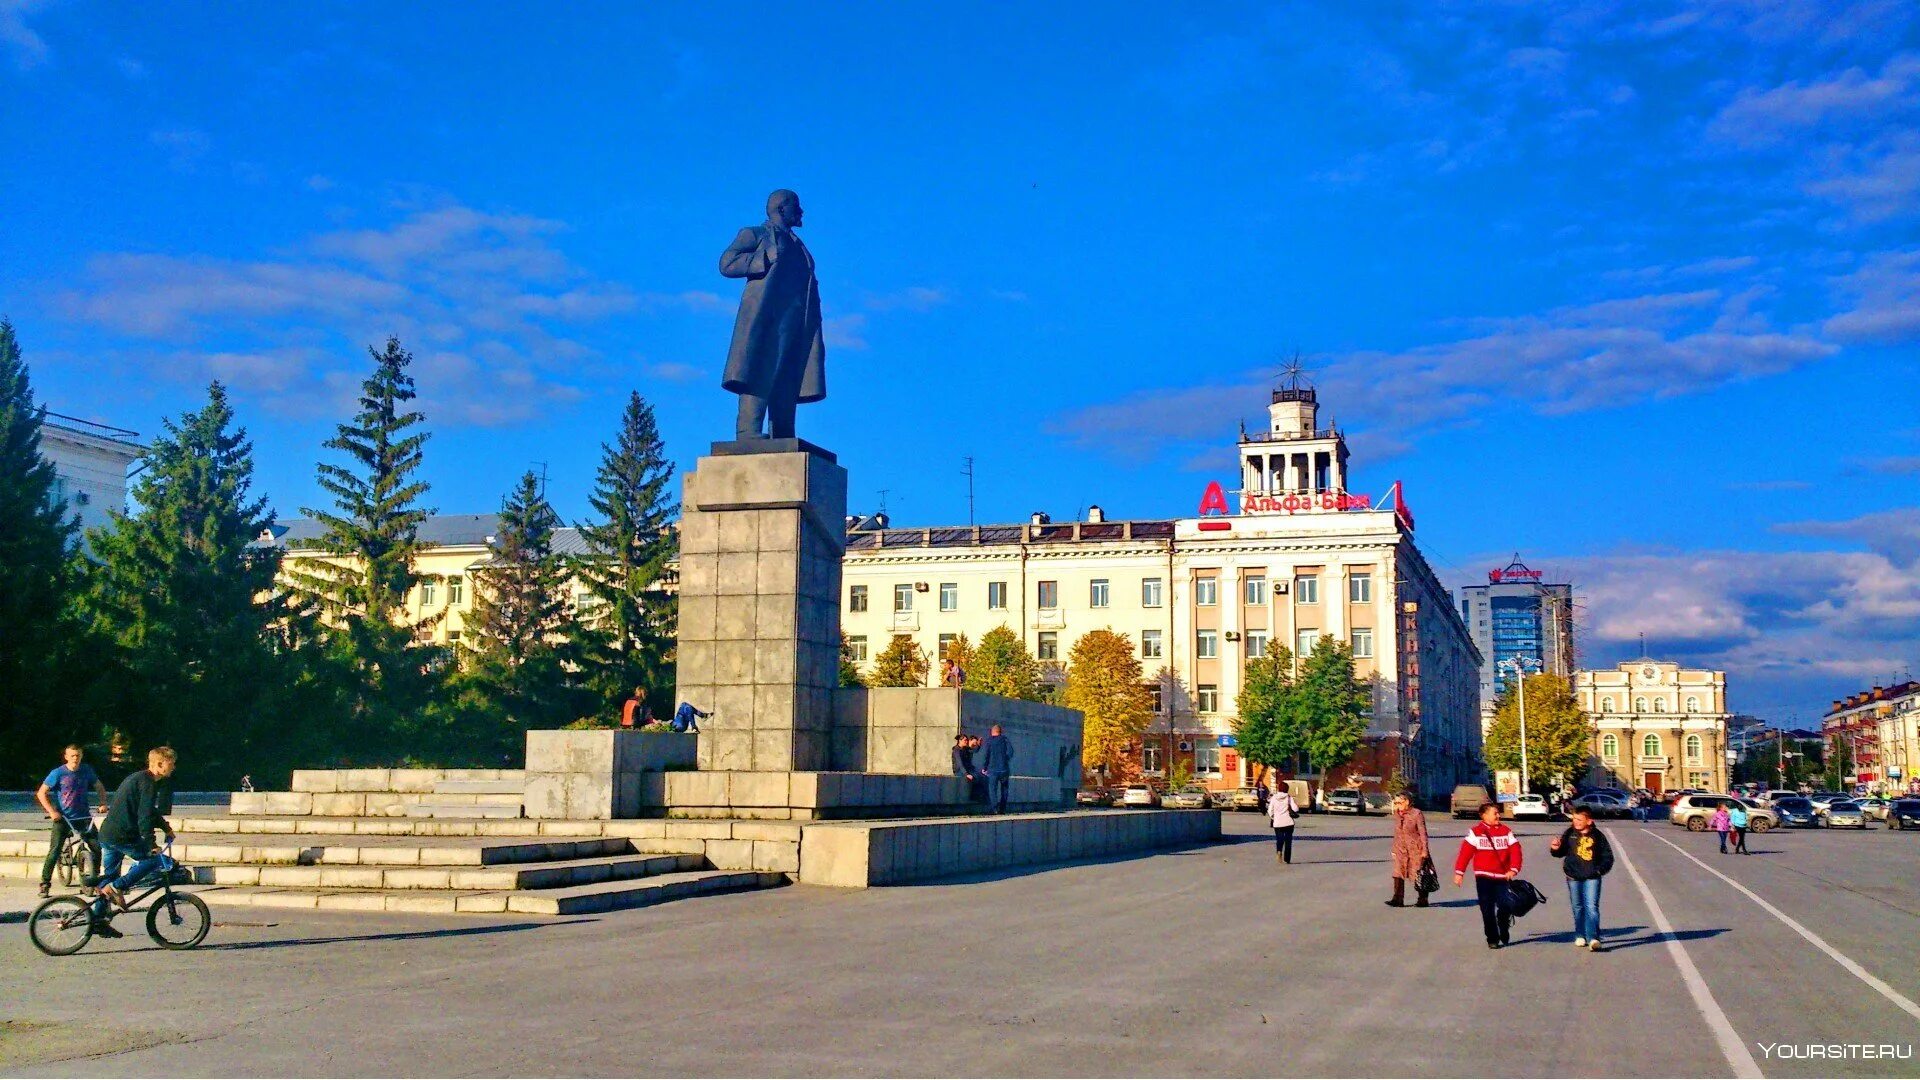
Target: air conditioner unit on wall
[1186,747]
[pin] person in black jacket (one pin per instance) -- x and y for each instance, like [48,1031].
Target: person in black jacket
[127,833]
[997,752]
[1587,857]
[963,762]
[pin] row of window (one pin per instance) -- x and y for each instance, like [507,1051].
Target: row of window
[1640,705]
[1651,747]
[1206,593]
[1206,645]
[456,591]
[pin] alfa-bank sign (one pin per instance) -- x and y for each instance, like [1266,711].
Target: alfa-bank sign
[1215,507]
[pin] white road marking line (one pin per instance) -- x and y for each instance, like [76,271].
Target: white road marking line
[1739,1058]
[1900,1001]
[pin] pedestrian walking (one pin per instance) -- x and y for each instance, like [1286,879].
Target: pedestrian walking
[1737,820]
[1720,822]
[1586,856]
[1410,852]
[1493,852]
[1283,812]
[997,763]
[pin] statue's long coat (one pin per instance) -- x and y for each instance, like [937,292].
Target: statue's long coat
[779,320]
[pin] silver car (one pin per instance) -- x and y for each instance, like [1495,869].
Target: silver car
[1846,814]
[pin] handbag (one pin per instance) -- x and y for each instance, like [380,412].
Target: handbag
[1428,880]
[1523,897]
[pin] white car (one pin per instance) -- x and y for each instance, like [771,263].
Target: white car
[1531,806]
[1139,795]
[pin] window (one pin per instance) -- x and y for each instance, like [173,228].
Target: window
[1206,644]
[456,590]
[1606,704]
[996,596]
[1650,746]
[856,598]
[1659,705]
[1693,704]
[1208,698]
[1206,759]
[1610,747]
[857,648]
[1304,642]
[1150,759]
[426,593]
[1156,697]
[1049,645]
[1150,592]
[1206,591]
[1256,588]
[1151,647]
[453,637]
[1362,642]
[1693,749]
[1639,704]
[1360,589]
[1256,644]
[1049,595]
[1306,589]
[1097,593]
[903,597]
[949,596]
[946,646]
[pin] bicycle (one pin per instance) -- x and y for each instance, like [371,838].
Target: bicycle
[76,854]
[62,925]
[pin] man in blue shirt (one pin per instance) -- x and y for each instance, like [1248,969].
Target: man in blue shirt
[686,718]
[997,762]
[63,795]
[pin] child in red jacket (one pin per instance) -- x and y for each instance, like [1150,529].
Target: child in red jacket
[1494,852]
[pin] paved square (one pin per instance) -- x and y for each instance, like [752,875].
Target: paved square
[1211,961]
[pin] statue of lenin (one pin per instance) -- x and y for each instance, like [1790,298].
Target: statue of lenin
[778,358]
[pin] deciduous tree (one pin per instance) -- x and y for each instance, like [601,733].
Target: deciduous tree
[1003,665]
[901,663]
[1559,735]
[1332,707]
[1266,727]
[1104,682]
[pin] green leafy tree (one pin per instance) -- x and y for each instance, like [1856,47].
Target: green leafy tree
[1559,735]
[206,653]
[1266,727]
[1331,706]
[37,636]
[372,539]
[849,667]
[1105,683]
[1003,665]
[629,545]
[519,669]
[901,663]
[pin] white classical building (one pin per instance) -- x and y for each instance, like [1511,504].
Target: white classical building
[1658,726]
[90,463]
[1291,556]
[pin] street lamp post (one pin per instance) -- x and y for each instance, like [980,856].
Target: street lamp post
[1518,665]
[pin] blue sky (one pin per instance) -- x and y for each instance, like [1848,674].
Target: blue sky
[1631,289]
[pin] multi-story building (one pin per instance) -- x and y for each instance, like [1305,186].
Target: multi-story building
[454,544]
[1517,617]
[1875,734]
[90,463]
[1658,725]
[1291,557]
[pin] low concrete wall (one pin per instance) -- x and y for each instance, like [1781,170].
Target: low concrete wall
[596,775]
[811,796]
[405,781]
[858,854]
[910,730]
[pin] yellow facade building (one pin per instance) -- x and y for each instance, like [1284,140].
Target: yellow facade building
[1658,726]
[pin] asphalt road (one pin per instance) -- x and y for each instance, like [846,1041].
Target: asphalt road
[1211,962]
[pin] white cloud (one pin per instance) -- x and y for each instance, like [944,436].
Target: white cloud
[911,298]
[18,40]
[1769,117]
[1885,298]
[846,331]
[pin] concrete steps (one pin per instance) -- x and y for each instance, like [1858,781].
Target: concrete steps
[480,787]
[455,806]
[506,878]
[620,895]
[573,900]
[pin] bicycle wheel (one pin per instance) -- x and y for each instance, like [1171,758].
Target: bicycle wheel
[73,865]
[178,920]
[61,926]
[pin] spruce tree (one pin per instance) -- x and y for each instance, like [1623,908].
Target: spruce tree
[371,540]
[630,623]
[203,655]
[36,579]
[518,659]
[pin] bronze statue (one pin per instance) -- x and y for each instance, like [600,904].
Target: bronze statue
[779,357]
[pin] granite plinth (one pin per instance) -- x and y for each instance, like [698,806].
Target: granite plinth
[736,447]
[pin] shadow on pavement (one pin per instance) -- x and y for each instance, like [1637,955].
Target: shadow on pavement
[411,935]
[1611,937]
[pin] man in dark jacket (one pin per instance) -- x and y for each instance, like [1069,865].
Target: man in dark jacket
[963,761]
[998,765]
[1587,856]
[127,832]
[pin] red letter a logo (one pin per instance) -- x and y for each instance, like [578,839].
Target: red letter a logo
[1214,501]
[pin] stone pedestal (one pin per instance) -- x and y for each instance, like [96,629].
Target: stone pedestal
[597,775]
[762,532]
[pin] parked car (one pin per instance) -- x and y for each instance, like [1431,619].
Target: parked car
[1095,796]
[1846,814]
[1533,806]
[1904,814]
[1191,797]
[1378,802]
[1139,795]
[1875,807]
[1821,799]
[1245,798]
[1468,799]
[1604,804]
[1775,796]
[1346,800]
[1693,812]
[1796,812]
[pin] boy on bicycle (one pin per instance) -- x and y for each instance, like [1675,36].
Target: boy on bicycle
[68,808]
[127,833]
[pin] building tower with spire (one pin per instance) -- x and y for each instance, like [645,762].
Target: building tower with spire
[1295,455]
